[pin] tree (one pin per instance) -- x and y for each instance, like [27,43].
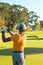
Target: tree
[33,17]
[18,14]
[13,14]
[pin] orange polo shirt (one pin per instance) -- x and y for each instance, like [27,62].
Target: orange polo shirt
[18,42]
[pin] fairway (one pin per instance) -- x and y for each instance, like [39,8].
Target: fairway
[33,50]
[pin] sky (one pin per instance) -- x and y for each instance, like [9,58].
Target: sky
[32,5]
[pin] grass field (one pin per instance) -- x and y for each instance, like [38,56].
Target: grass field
[33,50]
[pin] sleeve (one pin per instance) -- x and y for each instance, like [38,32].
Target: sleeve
[12,38]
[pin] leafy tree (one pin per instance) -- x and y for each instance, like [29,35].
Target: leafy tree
[33,17]
[13,14]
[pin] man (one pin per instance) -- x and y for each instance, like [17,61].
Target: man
[18,44]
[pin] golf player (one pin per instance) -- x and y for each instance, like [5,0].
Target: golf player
[18,43]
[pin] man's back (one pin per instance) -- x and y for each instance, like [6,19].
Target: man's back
[18,42]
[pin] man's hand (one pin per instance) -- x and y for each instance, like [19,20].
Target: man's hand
[3,30]
[3,35]
[10,31]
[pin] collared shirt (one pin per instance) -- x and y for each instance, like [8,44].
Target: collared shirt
[18,42]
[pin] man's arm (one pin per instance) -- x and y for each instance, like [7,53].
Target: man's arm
[3,35]
[10,32]
[4,38]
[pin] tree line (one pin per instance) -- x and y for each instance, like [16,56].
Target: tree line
[13,14]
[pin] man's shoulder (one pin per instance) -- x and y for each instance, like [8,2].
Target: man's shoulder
[15,35]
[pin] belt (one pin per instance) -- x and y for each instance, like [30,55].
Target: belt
[17,51]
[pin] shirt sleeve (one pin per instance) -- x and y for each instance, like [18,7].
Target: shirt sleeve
[12,38]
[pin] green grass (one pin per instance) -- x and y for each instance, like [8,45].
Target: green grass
[33,50]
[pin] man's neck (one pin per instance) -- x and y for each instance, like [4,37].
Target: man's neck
[21,32]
